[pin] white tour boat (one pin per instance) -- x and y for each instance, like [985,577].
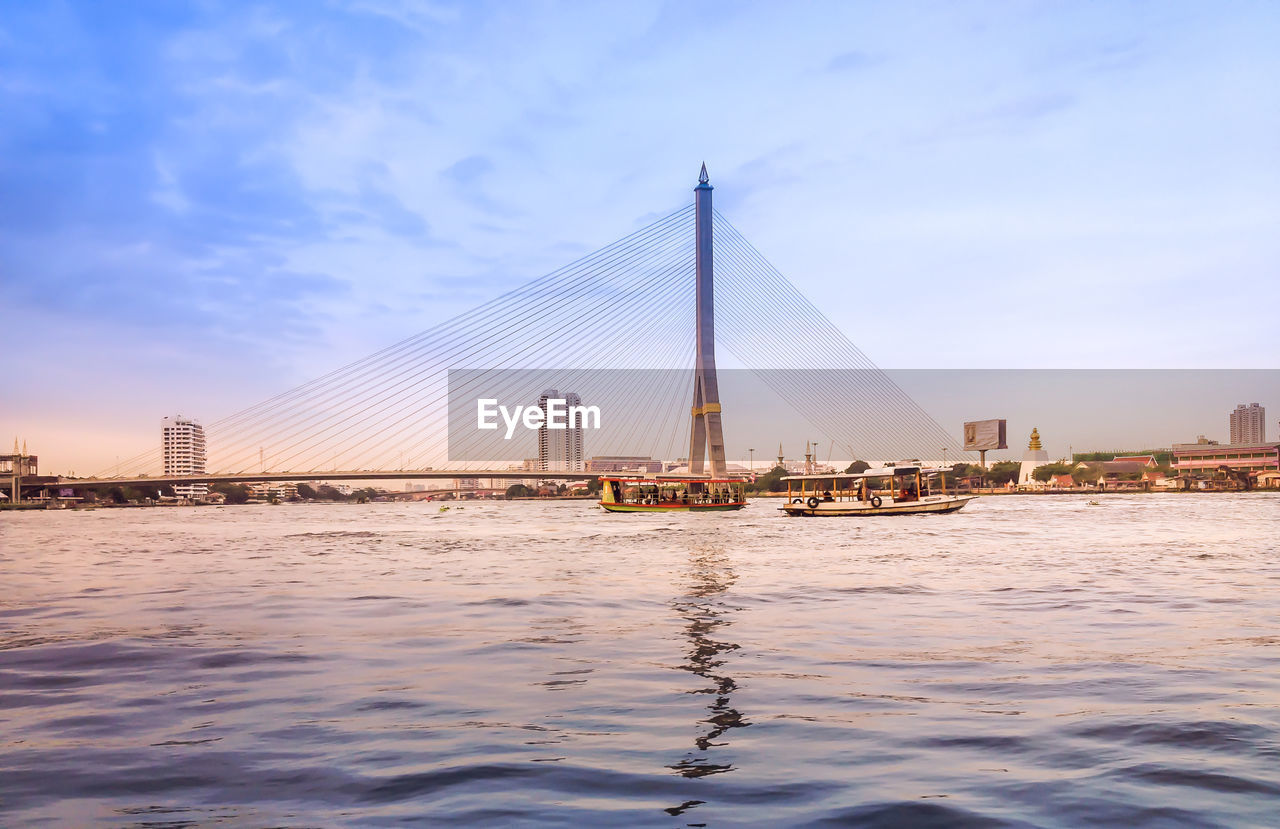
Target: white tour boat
[900,490]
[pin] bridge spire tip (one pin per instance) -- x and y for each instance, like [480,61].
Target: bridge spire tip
[703,178]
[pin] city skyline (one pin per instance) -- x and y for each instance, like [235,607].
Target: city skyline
[204,208]
[1074,411]
[394,415]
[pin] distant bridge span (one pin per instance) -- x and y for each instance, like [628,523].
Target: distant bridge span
[48,481]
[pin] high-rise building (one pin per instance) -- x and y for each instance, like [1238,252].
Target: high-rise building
[1249,424]
[559,446]
[182,442]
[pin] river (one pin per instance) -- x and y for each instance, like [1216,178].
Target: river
[1029,661]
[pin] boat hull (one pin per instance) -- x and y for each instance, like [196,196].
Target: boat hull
[927,506]
[613,507]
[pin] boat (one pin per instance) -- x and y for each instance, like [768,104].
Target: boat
[671,493]
[899,490]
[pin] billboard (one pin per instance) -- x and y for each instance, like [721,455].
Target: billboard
[981,435]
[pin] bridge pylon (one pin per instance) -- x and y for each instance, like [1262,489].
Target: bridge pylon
[706,437]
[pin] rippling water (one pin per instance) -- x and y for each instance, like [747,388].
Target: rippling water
[1028,661]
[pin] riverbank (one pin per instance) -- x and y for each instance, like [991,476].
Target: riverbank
[1090,492]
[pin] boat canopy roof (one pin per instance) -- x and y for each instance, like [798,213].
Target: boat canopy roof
[887,472]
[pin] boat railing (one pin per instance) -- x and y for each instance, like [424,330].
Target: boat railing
[894,488]
[655,497]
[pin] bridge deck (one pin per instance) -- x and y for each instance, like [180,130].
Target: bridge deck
[313,475]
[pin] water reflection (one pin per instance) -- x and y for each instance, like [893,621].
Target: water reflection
[708,619]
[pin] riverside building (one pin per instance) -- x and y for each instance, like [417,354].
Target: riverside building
[183,447]
[1208,458]
[624,463]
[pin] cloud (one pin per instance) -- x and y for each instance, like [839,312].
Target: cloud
[468,171]
[385,210]
[467,175]
[1006,118]
[1028,108]
[1117,56]
[853,61]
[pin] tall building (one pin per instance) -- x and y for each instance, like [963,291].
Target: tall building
[559,446]
[1249,424]
[182,441]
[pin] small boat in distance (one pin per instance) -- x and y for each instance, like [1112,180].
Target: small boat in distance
[901,490]
[671,493]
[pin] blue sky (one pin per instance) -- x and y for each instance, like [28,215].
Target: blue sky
[204,204]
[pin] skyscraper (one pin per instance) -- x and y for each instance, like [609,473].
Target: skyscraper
[1249,424]
[182,442]
[559,446]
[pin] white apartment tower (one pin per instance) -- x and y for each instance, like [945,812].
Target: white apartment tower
[182,440]
[1249,424]
[559,449]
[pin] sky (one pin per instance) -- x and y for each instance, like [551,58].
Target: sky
[204,204]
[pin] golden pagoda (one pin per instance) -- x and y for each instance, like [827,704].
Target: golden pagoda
[1034,457]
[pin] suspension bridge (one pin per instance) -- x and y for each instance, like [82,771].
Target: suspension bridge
[637,320]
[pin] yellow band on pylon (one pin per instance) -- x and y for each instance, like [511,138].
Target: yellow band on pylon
[711,408]
[695,411]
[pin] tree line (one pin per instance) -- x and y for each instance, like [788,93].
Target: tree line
[997,474]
